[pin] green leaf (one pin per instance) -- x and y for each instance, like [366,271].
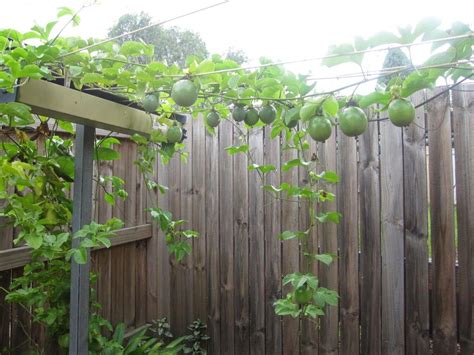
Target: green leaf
[237,149]
[312,311]
[324,258]
[103,153]
[92,78]
[382,38]
[205,66]
[329,176]
[133,48]
[262,168]
[66,126]
[293,163]
[330,106]
[426,25]
[285,307]
[329,217]
[286,235]
[376,97]
[80,255]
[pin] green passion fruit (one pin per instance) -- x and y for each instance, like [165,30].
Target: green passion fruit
[303,295]
[319,128]
[174,134]
[251,116]
[267,114]
[353,121]
[184,93]
[401,112]
[213,119]
[150,103]
[238,113]
[292,117]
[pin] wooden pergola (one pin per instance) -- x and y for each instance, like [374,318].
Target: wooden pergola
[89,111]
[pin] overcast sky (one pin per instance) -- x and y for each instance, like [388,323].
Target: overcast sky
[278,29]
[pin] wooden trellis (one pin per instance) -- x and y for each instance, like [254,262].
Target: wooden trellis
[89,112]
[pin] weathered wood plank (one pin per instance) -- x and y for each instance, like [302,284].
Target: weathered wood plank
[213,241]
[290,252]
[199,221]
[226,244]
[392,229]
[186,213]
[308,328]
[370,262]
[158,259]
[256,249]
[329,332]
[57,101]
[416,234]
[442,224]
[463,122]
[17,257]
[241,249]
[272,215]
[349,245]
[176,282]
[6,241]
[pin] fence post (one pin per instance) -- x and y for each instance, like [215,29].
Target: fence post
[82,214]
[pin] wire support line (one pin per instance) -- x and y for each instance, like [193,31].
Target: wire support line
[348,54]
[144,28]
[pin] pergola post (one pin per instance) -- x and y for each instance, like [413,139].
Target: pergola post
[82,215]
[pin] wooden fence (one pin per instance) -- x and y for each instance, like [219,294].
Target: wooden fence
[399,292]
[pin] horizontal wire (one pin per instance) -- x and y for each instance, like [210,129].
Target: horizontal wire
[143,28]
[392,70]
[408,45]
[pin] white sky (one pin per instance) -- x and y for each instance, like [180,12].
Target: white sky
[278,29]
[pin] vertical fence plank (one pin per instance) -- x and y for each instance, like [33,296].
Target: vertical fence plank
[442,225]
[20,324]
[328,339]
[309,328]
[416,234]
[199,221]
[130,218]
[213,240]
[6,241]
[241,250]
[176,285]
[463,122]
[369,175]
[290,251]
[226,244]
[102,259]
[159,285]
[186,213]
[273,329]
[256,249]
[141,288]
[118,253]
[391,182]
[349,246]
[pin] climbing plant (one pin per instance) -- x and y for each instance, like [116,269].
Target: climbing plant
[37,161]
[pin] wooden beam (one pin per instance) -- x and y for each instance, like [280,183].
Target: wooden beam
[18,257]
[56,101]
